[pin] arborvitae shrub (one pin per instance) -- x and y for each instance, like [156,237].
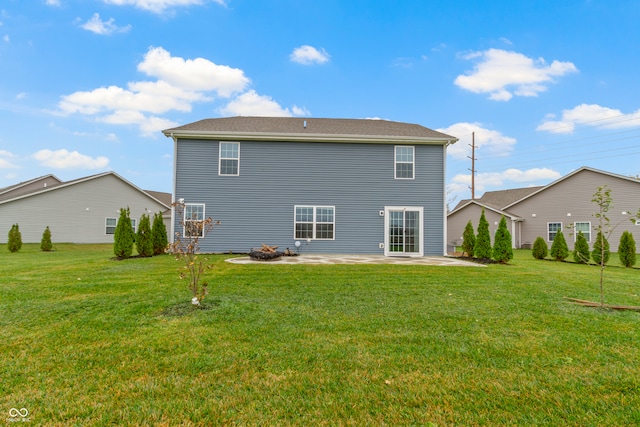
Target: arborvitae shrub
[159,235]
[468,240]
[14,242]
[597,252]
[581,252]
[540,249]
[627,249]
[482,248]
[123,235]
[45,242]
[144,244]
[559,249]
[502,247]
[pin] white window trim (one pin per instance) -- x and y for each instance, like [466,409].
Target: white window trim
[220,158]
[575,228]
[559,229]
[396,162]
[315,207]
[106,226]
[185,220]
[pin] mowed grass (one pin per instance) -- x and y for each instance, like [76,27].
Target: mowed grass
[86,340]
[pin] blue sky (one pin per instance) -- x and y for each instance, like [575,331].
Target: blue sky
[86,86]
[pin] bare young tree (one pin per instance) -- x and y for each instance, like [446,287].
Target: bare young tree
[186,249]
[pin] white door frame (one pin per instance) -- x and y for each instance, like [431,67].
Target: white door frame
[387,216]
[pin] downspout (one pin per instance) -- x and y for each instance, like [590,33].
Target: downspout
[444,195]
[175,171]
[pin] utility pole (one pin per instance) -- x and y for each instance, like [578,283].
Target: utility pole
[473,165]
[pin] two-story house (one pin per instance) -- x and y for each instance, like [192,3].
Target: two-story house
[353,186]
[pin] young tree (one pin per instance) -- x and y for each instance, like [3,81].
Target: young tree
[14,242]
[186,248]
[602,198]
[627,249]
[502,246]
[159,234]
[559,249]
[600,253]
[144,244]
[123,235]
[581,252]
[468,240]
[482,248]
[540,249]
[45,242]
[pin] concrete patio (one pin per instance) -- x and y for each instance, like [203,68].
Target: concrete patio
[361,259]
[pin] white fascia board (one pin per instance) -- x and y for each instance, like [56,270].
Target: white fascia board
[307,137]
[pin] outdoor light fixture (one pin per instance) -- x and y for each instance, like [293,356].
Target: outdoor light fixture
[568,213]
[533,215]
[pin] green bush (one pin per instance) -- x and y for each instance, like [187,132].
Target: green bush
[600,248]
[45,242]
[14,242]
[502,245]
[159,235]
[468,240]
[123,236]
[581,253]
[540,249]
[482,248]
[627,249]
[144,243]
[559,249]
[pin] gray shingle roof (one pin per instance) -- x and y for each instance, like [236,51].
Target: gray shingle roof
[315,127]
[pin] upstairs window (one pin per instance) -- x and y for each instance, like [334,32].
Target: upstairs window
[404,162]
[194,220]
[315,222]
[229,159]
[552,230]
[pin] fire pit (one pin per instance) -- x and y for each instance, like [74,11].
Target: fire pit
[265,253]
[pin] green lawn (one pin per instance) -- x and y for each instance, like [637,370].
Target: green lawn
[86,340]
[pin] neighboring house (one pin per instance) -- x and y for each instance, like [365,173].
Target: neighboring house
[333,185]
[565,204]
[84,210]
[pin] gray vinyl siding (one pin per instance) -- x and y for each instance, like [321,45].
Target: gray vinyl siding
[574,196]
[358,179]
[75,213]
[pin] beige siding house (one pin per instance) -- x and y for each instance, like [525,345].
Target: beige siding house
[565,204]
[84,210]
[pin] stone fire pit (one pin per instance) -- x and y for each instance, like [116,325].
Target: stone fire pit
[266,253]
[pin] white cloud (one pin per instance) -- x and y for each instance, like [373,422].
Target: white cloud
[590,115]
[105,28]
[180,84]
[21,95]
[64,159]
[193,74]
[6,39]
[487,141]
[252,104]
[52,2]
[503,74]
[308,55]
[159,6]
[5,162]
